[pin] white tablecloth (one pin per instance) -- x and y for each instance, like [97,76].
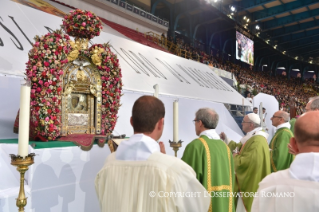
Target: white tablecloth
[60,180]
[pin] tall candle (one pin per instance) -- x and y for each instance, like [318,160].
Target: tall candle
[24,118]
[175,121]
[156,90]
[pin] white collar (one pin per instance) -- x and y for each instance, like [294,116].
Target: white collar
[256,131]
[138,147]
[286,124]
[305,167]
[211,134]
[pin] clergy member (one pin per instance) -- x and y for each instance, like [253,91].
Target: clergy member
[280,158]
[312,105]
[138,177]
[212,160]
[296,188]
[252,163]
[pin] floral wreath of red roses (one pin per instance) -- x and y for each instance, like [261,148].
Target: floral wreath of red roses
[45,70]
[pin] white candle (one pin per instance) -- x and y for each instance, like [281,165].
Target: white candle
[156,90]
[24,118]
[175,121]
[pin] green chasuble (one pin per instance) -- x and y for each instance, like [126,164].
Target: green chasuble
[252,164]
[280,157]
[213,163]
[292,124]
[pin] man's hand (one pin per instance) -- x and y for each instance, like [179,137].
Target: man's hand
[291,151]
[162,147]
[222,136]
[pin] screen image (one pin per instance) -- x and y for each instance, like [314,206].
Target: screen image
[244,49]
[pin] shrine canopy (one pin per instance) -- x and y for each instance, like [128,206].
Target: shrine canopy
[142,66]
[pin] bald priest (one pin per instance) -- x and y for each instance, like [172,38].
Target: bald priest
[295,188]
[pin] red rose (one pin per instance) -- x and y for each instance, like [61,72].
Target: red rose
[57,110]
[56,122]
[46,64]
[56,53]
[37,108]
[46,46]
[44,74]
[35,57]
[53,83]
[51,129]
[49,111]
[60,48]
[59,89]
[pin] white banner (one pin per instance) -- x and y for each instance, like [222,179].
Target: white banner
[271,105]
[142,66]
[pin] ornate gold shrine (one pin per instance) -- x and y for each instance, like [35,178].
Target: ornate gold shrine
[81,99]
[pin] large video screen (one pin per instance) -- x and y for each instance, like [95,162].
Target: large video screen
[244,49]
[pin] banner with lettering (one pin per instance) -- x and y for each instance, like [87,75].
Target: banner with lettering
[142,66]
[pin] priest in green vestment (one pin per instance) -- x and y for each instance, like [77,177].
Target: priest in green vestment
[280,158]
[212,161]
[251,159]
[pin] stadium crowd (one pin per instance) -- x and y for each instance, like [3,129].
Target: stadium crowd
[287,91]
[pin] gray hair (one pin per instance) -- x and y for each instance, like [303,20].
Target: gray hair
[284,115]
[208,116]
[314,105]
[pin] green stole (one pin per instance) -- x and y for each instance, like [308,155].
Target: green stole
[280,157]
[252,164]
[213,163]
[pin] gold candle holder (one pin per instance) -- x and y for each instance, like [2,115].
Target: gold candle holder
[175,145]
[22,165]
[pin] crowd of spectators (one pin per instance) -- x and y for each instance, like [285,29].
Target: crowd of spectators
[288,92]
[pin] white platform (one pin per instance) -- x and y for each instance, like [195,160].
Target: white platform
[61,179]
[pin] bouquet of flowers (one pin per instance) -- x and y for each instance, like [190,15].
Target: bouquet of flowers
[44,69]
[82,24]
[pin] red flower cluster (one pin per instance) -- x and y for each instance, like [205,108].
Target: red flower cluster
[44,69]
[82,24]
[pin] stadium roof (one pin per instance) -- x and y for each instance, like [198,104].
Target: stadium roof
[284,30]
